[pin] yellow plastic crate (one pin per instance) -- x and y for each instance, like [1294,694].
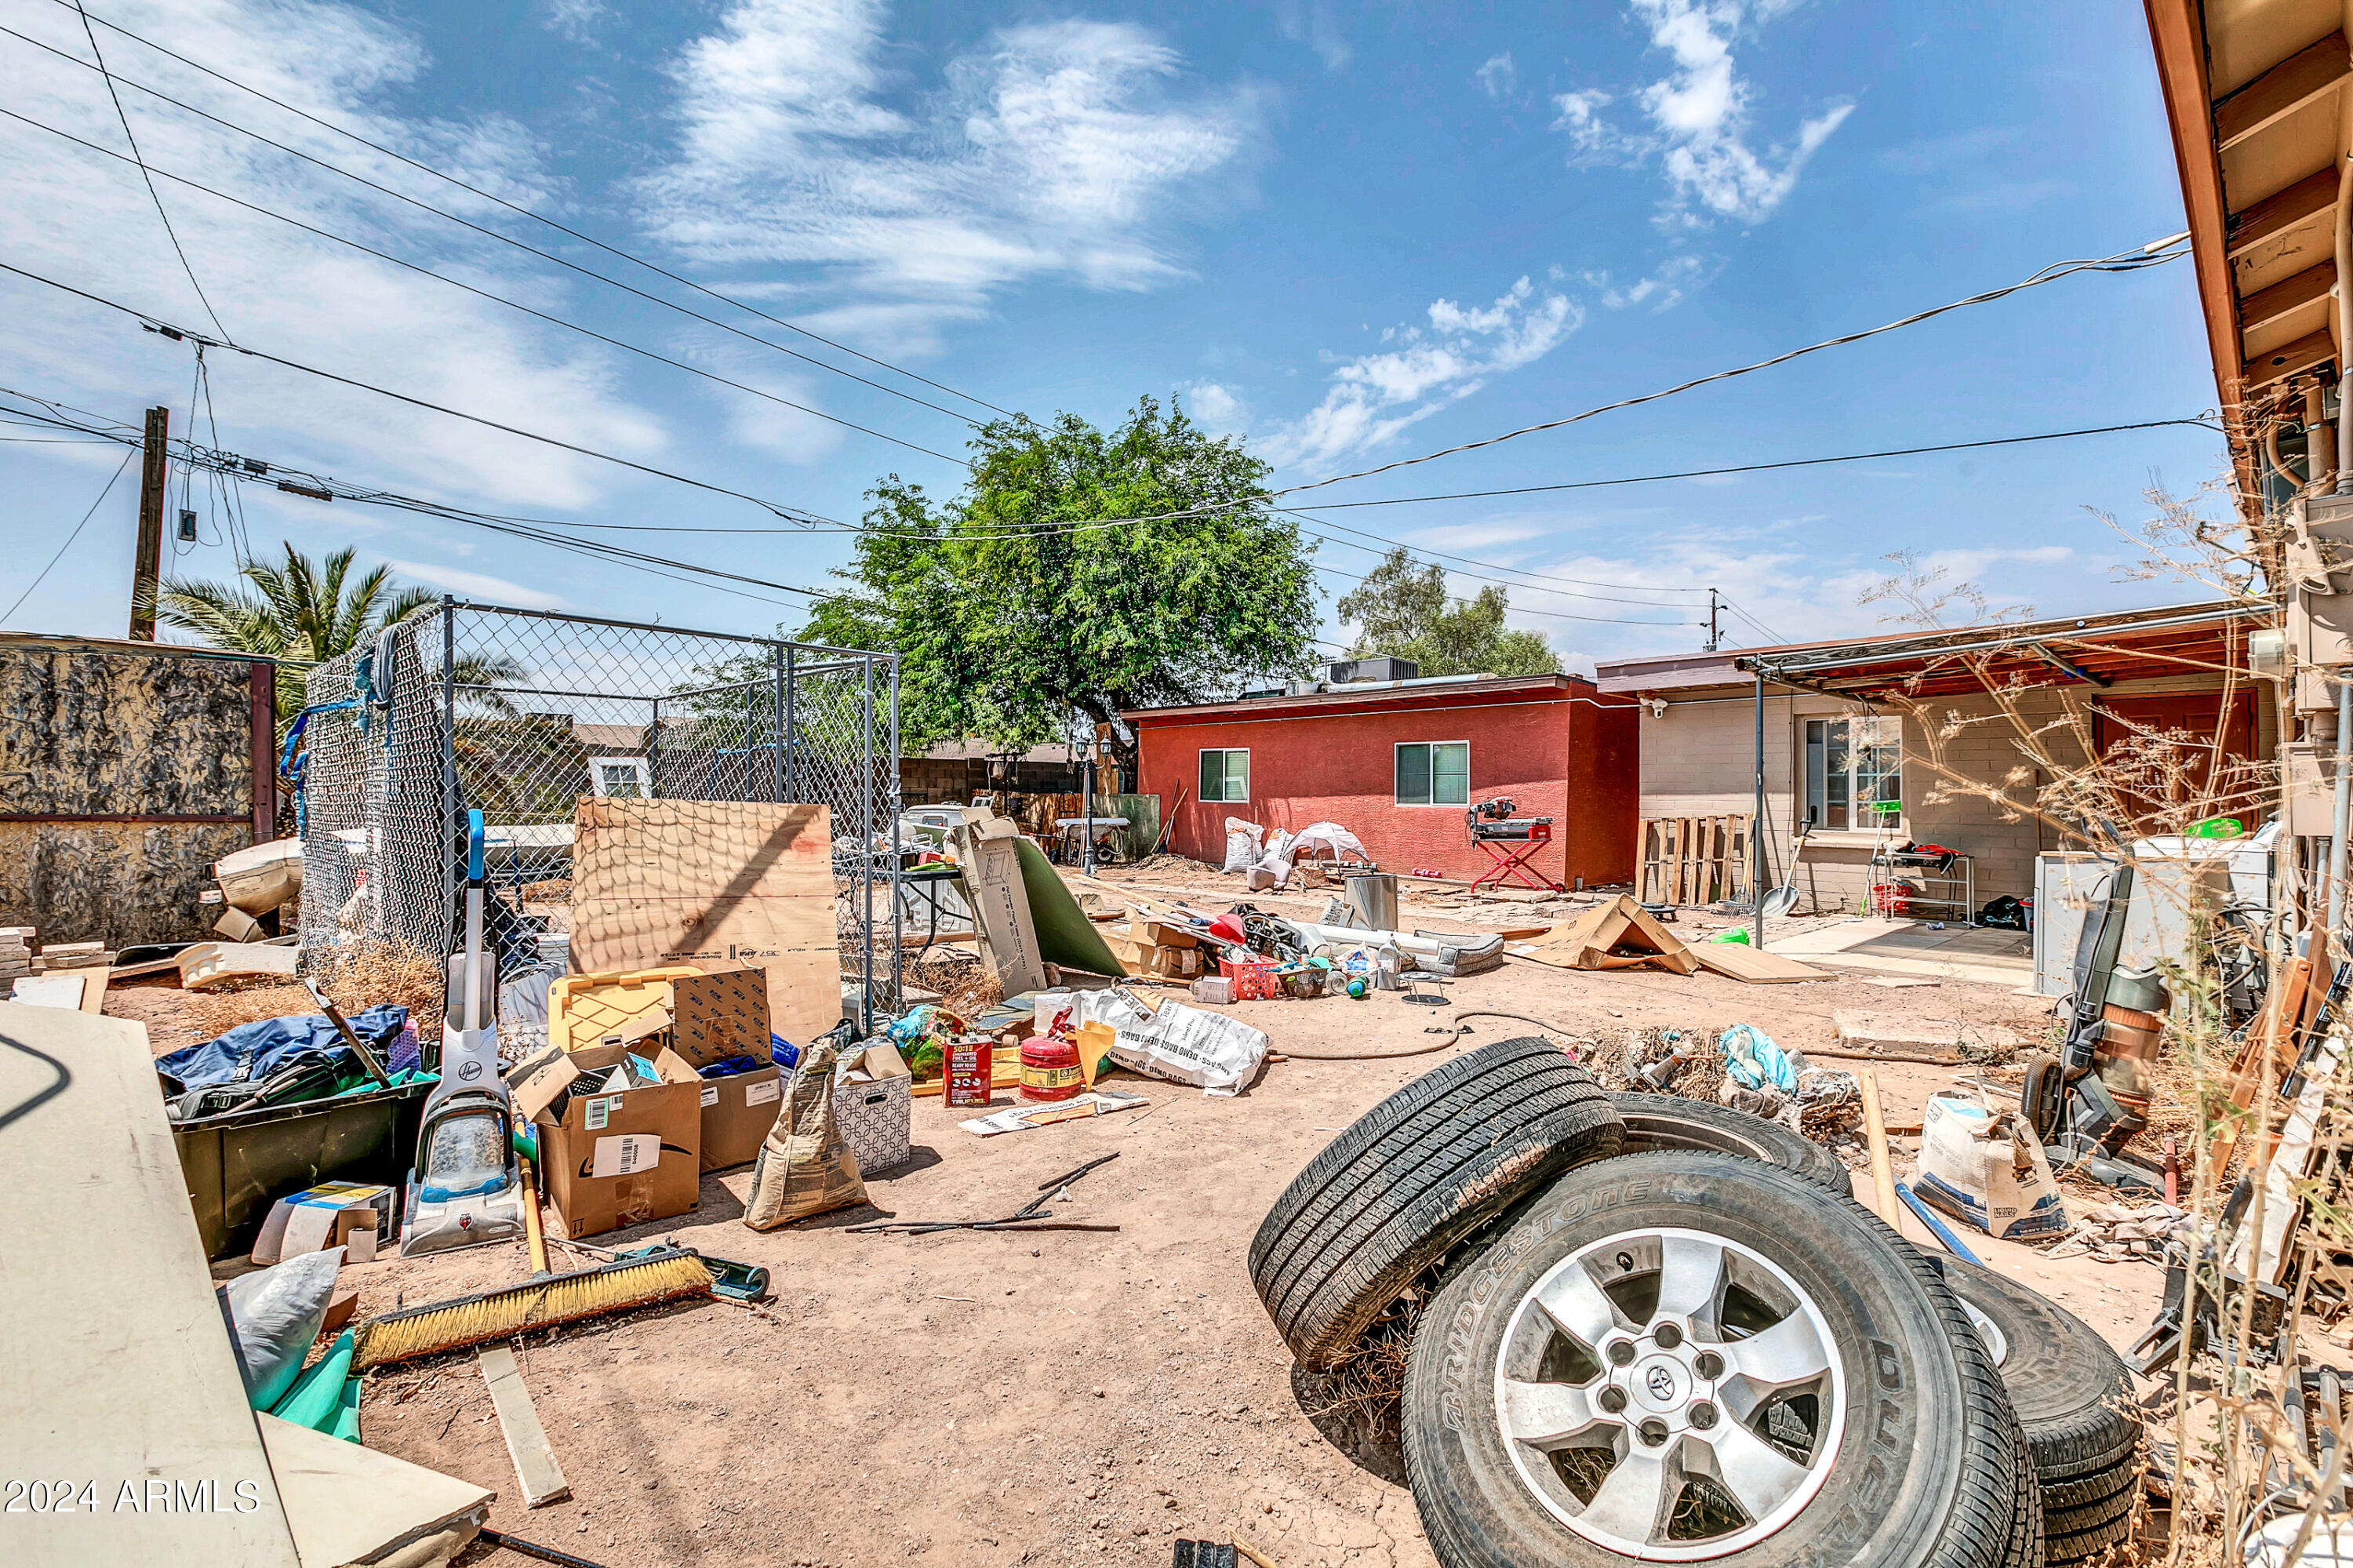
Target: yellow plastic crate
[583,1009]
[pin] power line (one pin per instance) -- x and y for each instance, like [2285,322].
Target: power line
[151,194]
[484,294]
[2154,254]
[70,538]
[538,218]
[157,324]
[1760,467]
[493,234]
[1552,614]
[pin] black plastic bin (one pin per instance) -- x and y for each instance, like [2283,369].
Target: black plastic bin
[240,1163]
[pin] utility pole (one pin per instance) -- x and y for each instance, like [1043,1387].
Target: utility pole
[1713,636]
[147,565]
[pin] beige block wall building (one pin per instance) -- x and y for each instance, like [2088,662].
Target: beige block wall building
[1699,749]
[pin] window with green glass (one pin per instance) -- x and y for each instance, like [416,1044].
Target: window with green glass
[1225,775]
[1433,773]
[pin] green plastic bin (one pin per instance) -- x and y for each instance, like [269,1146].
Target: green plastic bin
[237,1164]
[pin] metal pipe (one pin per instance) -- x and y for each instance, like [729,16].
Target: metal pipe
[777,726]
[792,739]
[2341,809]
[449,768]
[1908,648]
[1756,822]
[568,617]
[2319,436]
[898,986]
[866,850]
[2344,237]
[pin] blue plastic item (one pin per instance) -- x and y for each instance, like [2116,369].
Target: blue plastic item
[784,1053]
[1752,1059]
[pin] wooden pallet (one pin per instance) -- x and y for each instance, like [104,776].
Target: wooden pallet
[1692,859]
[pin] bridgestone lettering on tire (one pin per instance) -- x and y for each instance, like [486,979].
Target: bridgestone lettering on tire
[1698,1357]
[1414,1175]
[2073,1401]
[1655,1122]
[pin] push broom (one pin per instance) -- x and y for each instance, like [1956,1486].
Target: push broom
[660,1274]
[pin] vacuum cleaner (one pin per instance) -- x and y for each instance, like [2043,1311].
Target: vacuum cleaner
[467,1187]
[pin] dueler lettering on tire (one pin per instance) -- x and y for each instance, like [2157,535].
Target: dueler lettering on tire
[1414,1175]
[1694,1357]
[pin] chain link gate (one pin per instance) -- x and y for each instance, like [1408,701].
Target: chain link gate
[519,713]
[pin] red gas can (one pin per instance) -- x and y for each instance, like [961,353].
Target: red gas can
[1050,1068]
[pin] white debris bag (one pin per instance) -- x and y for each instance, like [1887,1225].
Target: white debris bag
[1332,838]
[1242,843]
[1986,1168]
[1185,1046]
[274,1315]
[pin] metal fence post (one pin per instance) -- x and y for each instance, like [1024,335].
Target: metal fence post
[866,838]
[776,727]
[653,752]
[791,739]
[898,981]
[448,760]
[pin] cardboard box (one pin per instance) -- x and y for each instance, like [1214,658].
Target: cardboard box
[325,1217]
[737,1114]
[1164,961]
[714,1017]
[613,1159]
[988,848]
[715,886]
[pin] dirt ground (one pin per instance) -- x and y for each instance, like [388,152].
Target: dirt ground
[997,1398]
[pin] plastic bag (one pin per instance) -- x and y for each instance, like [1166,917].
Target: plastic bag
[1242,843]
[805,1167]
[1987,1168]
[273,1316]
[1754,1061]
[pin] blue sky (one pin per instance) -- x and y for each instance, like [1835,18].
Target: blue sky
[1346,234]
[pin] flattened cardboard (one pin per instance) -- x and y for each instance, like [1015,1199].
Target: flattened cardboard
[737,1113]
[714,1017]
[648,1140]
[715,884]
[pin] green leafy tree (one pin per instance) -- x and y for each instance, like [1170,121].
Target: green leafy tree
[1402,609]
[1009,613]
[302,612]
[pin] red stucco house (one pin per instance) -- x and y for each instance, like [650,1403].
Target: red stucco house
[1398,763]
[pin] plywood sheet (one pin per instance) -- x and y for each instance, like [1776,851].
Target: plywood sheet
[717,884]
[134,1387]
[1736,960]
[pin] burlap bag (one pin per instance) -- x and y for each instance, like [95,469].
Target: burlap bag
[806,1167]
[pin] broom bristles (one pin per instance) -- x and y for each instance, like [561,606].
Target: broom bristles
[534,1304]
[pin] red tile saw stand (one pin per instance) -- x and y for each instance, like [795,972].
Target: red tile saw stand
[1509,840]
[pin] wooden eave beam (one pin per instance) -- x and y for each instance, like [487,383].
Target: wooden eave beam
[2288,296]
[2281,211]
[2282,90]
[2289,359]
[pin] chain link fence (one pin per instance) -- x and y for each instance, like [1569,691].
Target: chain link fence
[518,713]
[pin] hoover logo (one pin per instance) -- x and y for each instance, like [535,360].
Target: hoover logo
[469,1071]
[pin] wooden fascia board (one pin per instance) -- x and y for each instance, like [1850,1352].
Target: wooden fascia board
[2289,359]
[2178,35]
[2282,90]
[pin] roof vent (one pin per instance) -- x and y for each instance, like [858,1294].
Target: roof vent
[1349,672]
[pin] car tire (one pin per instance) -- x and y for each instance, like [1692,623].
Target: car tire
[2073,1401]
[1385,1200]
[1654,1122]
[1892,1442]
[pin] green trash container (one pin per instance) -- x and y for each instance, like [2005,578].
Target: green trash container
[240,1163]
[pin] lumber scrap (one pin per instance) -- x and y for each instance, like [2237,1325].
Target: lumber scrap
[534,1462]
[1752,965]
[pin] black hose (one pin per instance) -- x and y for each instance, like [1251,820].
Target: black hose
[1452,1037]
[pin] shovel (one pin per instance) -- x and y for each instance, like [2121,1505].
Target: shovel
[1784,898]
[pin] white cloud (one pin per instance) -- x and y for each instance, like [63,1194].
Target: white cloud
[1698,117]
[1316,24]
[481,585]
[88,220]
[578,20]
[1373,396]
[1215,408]
[1056,150]
[1666,286]
[1498,77]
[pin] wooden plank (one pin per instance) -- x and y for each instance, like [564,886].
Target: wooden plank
[1738,960]
[2281,91]
[2264,306]
[1882,1170]
[2281,211]
[534,1462]
[2290,359]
